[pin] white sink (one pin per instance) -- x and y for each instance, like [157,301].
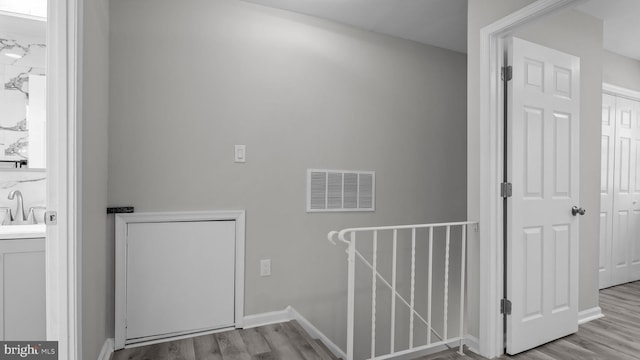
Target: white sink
[22,231]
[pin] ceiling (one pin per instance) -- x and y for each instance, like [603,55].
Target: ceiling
[621,24]
[443,23]
[440,23]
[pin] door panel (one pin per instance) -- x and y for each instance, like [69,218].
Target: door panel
[606,189]
[562,242]
[533,247]
[542,234]
[180,277]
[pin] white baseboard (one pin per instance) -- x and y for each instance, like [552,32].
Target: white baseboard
[472,343]
[317,334]
[589,315]
[289,314]
[269,318]
[107,350]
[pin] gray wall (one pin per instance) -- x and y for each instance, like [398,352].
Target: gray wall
[190,79]
[621,71]
[97,249]
[577,34]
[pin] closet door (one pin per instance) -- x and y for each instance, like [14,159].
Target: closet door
[631,110]
[625,251]
[180,278]
[606,188]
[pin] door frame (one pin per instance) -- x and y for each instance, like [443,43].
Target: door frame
[62,246]
[490,339]
[620,91]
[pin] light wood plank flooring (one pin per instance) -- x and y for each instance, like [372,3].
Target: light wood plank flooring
[616,336]
[286,341]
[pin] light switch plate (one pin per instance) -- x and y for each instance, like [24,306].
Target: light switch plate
[240,154]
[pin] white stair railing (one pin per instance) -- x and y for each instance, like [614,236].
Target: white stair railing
[348,236]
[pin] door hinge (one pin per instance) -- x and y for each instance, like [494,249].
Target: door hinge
[506,73]
[505,190]
[505,307]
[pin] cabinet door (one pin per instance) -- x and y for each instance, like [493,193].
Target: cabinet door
[180,278]
[22,280]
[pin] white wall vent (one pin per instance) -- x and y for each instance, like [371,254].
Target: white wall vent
[340,190]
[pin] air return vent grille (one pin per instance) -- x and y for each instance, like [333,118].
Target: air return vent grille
[340,190]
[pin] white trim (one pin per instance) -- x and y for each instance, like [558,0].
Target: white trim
[63,251]
[316,334]
[120,278]
[472,343]
[107,350]
[288,314]
[490,324]
[274,317]
[585,316]
[620,91]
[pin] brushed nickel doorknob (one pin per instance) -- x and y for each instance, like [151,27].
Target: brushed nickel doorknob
[576,210]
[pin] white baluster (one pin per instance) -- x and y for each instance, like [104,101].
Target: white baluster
[351,296]
[393,291]
[463,260]
[373,294]
[429,285]
[446,283]
[413,285]
[396,296]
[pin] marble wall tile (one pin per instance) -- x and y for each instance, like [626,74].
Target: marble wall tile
[26,57]
[31,183]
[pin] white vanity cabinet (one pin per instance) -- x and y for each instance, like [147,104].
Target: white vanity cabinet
[22,289]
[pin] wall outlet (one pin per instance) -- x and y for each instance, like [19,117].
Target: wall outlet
[265,267]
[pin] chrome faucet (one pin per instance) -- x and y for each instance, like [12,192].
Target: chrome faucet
[18,216]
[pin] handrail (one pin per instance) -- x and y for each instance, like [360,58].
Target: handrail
[331,236]
[353,254]
[341,234]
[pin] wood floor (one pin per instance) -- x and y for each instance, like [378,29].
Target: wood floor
[286,341]
[614,337]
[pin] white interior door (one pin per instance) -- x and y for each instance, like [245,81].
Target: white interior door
[180,278]
[543,166]
[625,250]
[606,188]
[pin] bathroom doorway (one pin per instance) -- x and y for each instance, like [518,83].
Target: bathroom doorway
[38,158]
